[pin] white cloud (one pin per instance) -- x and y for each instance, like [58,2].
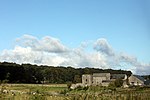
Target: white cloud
[18,54]
[47,44]
[28,55]
[79,58]
[116,59]
[103,46]
[50,51]
[142,68]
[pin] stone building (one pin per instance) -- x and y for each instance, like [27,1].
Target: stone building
[96,79]
[87,79]
[136,80]
[101,79]
[118,76]
[104,79]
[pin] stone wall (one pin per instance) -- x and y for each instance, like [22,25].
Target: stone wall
[98,80]
[87,79]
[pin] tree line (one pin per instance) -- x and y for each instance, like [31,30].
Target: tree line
[27,73]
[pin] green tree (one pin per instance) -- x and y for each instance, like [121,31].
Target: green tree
[118,82]
[77,79]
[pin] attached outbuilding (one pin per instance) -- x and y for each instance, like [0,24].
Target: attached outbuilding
[136,80]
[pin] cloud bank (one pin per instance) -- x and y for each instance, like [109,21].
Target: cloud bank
[50,51]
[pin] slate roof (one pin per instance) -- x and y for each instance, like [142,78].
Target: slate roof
[118,76]
[100,74]
[139,77]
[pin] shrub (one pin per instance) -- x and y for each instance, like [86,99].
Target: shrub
[64,92]
[116,83]
[69,84]
[85,88]
[37,97]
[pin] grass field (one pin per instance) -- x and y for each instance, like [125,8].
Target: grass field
[31,91]
[61,92]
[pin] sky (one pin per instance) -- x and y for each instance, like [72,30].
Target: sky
[80,33]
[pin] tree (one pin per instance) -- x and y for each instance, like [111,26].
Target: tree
[77,79]
[27,73]
[116,83]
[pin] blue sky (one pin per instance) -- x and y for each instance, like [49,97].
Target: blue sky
[124,23]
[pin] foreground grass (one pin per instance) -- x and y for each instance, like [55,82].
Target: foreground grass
[60,92]
[106,93]
[31,91]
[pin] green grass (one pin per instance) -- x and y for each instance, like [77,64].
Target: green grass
[60,92]
[31,91]
[106,93]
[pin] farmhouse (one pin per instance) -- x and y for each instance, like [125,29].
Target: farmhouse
[104,79]
[101,79]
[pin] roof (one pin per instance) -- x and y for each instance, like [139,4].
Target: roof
[100,74]
[86,74]
[139,77]
[118,76]
[147,82]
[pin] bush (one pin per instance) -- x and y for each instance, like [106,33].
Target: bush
[69,84]
[37,97]
[64,92]
[85,88]
[116,83]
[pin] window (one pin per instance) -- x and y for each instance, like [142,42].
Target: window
[86,81]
